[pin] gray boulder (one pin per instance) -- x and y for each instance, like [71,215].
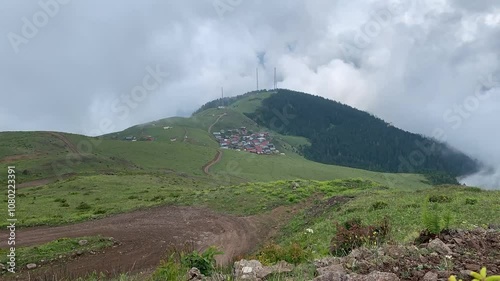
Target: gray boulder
[439,246]
[253,270]
[373,276]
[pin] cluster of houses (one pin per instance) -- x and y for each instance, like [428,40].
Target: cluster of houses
[144,138]
[243,140]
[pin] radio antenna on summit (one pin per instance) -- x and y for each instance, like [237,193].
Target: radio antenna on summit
[222,93]
[257,77]
[275,81]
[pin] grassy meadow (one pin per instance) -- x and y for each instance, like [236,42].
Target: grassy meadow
[116,176]
[54,249]
[469,208]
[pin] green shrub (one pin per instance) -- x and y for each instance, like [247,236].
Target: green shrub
[205,261]
[413,206]
[474,189]
[435,220]
[100,211]
[470,201]
[439,199]
[379,205]
[352,223]
[353,234]
[439,178]
[169,269]
[178,262]
[292,198]
[83,206]
[158,198]
[292,253]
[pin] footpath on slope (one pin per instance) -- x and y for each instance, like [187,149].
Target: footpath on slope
[69,145]
[67,142]
[218,156]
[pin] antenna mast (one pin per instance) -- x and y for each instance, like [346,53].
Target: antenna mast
[275,82]
[257,75]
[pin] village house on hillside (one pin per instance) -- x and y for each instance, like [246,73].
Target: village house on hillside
[143,138]
[243,140]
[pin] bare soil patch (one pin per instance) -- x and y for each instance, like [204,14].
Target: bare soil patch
[145,235]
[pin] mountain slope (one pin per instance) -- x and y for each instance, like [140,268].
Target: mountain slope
[333,133]
[342,135]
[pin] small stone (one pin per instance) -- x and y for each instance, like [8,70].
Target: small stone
[194,274]
[329,276]
[439,246]
[327,262]
[356,253]
[445,274]
[83,242]
[430,276]
[336,268]
[473,267]
[465,272]
[373,276]
[31,266]
[79,253]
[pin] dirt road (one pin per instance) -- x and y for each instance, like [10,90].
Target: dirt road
[66,141]
[217,120]
[145,235]
[206,167]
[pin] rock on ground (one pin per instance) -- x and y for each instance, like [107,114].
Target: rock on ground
[430,276]
[439,246]
[253,270]
[31,265]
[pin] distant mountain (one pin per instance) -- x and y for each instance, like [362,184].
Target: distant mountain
[342,135]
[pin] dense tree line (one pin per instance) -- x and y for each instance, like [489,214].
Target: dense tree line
[342,135]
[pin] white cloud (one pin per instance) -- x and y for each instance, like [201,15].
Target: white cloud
[410,69]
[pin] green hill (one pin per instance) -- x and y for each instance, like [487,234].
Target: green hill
[334,133]
[68,178]
[182,146]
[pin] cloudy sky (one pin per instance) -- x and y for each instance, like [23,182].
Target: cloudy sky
[91,67]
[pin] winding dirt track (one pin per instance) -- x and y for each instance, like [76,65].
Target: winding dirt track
[145,235]
[206,167]
[217,120]
[218,156]
[66,141]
